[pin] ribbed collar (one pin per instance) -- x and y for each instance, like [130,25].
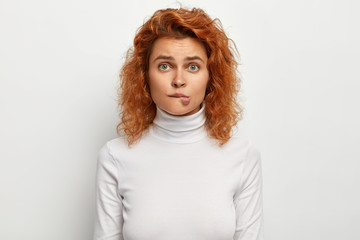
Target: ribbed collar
[179,129]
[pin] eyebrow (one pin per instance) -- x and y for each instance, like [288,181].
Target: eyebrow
[171,58]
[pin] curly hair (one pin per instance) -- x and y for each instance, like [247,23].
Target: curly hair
[137,108]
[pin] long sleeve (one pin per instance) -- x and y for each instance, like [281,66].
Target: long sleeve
[108,222]
[248,201]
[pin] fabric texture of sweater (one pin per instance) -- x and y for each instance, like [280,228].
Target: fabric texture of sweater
[177,183]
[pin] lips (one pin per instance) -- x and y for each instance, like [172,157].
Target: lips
[184,98]
[178,95]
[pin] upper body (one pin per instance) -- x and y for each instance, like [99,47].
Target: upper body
[178,173]
[178,184]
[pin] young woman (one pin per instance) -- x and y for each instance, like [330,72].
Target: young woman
[176,172]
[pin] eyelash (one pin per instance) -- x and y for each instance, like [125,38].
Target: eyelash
[163,64]
[192,64]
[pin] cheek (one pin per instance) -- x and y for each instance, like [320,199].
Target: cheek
[157,86]
[201,85]
[153,80]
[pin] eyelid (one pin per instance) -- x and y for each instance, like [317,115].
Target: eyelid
[164,70]
[160,64]
[194,64]
[170,66]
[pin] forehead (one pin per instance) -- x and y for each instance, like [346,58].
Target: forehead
[178,47]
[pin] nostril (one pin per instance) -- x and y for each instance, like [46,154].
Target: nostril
[178,83]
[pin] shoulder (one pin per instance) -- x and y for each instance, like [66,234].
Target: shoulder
[119,150]
[250,151]
[107,166]
[116,144]
[242,142]
[111,147]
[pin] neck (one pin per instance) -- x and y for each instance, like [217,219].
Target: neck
[179,129]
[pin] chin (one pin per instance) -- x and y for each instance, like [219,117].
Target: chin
[182,112]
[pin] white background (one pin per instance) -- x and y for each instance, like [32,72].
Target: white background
[59,65]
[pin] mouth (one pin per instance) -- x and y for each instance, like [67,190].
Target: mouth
[178,95]
[184,98]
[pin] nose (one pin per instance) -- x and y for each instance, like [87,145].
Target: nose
[178,80]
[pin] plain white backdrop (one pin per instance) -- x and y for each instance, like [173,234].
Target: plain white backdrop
[59,65]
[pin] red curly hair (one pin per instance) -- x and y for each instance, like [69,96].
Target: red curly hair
[136,106]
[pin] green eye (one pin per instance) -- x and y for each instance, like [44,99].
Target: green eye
[164,67]
[193,67]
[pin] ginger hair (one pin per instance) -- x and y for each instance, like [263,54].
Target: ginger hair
[137,108]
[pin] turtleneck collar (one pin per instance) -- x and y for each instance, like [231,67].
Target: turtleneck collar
[179,129]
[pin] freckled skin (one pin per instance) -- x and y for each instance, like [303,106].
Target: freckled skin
[178,75]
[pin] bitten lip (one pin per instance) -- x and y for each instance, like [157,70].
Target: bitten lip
[178,95]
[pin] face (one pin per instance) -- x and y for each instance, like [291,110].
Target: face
[178,75]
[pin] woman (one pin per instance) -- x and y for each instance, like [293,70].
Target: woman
[176,172]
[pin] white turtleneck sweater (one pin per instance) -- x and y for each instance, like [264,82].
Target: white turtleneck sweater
[178,184]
